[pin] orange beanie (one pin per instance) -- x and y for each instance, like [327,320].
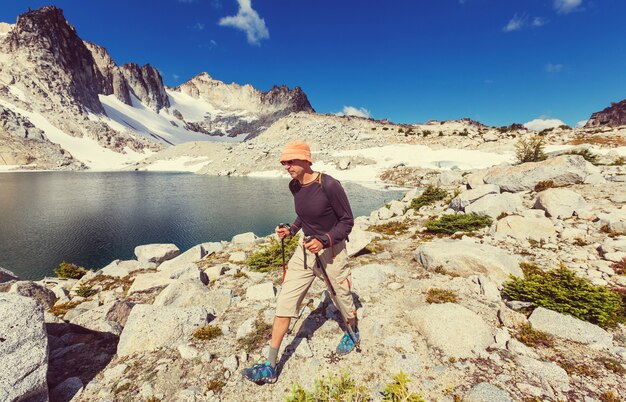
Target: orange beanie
[296,150]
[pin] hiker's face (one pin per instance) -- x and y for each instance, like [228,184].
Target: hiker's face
[296,168]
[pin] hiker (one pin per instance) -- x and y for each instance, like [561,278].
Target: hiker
[323,212]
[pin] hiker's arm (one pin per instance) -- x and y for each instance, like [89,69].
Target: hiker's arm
[295,227]
[340,204]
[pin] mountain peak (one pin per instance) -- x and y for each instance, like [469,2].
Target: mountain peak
[612,116]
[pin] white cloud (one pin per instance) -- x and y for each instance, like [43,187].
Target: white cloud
[567,6]
[198,26]
[247,20]
[554,68]
[581,123]
[515,24]
[175,77]
[541,124]
[353,111]
[539,22]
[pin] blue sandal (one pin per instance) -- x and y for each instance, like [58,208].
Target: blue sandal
[262,373]
[346,345]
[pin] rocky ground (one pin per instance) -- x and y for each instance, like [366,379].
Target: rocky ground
[126,332]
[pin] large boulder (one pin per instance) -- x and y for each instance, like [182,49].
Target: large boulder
[358,240]
[262,291]
[371,276]
[494,205]
[151,327]
[109,317]
[563,170]
[568,327]
[156,253]
[525,228]
[452,328]
[23,349]
[41,294]
[464,199]
[466,258]
[192,255]
[244,238]
[68,389]
[548,373]
[560,202]
[190,292]
[120,268]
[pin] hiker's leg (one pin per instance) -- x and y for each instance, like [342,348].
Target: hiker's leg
[279,329]
[339,273]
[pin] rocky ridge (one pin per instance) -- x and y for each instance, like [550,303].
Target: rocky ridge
[612,116]
[467,347]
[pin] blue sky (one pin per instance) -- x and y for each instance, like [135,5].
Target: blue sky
[496,61]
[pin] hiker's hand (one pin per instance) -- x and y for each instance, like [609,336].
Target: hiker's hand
[314,246]
[282,232]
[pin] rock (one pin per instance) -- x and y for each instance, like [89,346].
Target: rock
[573,234]
[371,276]
[174,324]
[450,177]
[214,273]
[615,244]
[519,348]
[231,363]
[452,328]
[246,328]
[23,350]
[548,372]
[244,238]
[493,205]
[560,203]
[615,221]
[190,256]
[304,348]
[6,275]
[476,179]
[148,281]
[467,258]
[384,213]
[464,199]
[489,289]
[68,389]
[120,269]
[263,291]
[615,257]
[156,253]
[343,164]
[41,294]
[237,256]
[188,293]
[522,228]
[359,239]
[562,170]
[109,317]
[188,352]
[191,271]
[568,327]
[485,392]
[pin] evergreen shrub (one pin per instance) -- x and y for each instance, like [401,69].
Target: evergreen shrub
[269,258]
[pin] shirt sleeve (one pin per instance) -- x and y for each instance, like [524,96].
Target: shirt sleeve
[340,204]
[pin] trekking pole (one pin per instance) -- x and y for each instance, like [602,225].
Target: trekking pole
[333,297]
[282,247]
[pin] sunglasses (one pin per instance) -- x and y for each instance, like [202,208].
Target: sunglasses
[289,162]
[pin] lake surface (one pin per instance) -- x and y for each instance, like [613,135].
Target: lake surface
[92,219]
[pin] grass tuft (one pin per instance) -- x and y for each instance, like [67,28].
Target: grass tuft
[207,332]
[398,391]
[450,224]
[69,270]
[438,296]
[261,334]
[585,153]
[390,228]
[531,337]
[530,149]
[330,389]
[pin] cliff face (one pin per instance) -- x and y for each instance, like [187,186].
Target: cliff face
[146,84]
[612,116]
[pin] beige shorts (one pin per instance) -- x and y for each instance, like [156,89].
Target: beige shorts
[298,280]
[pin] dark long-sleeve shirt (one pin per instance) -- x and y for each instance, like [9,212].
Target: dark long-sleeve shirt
[323,213]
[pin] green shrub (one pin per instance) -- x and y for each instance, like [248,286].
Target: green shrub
[85,290]
[450,224]
[585,153]
[530,150]
[397,391]
[69,270]
[531,337]
[438,296]
[619,161]
[270,257]
[330,389]
[559,289]
[207,332]
[429,196]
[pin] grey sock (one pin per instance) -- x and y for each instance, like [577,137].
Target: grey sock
[272,357]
